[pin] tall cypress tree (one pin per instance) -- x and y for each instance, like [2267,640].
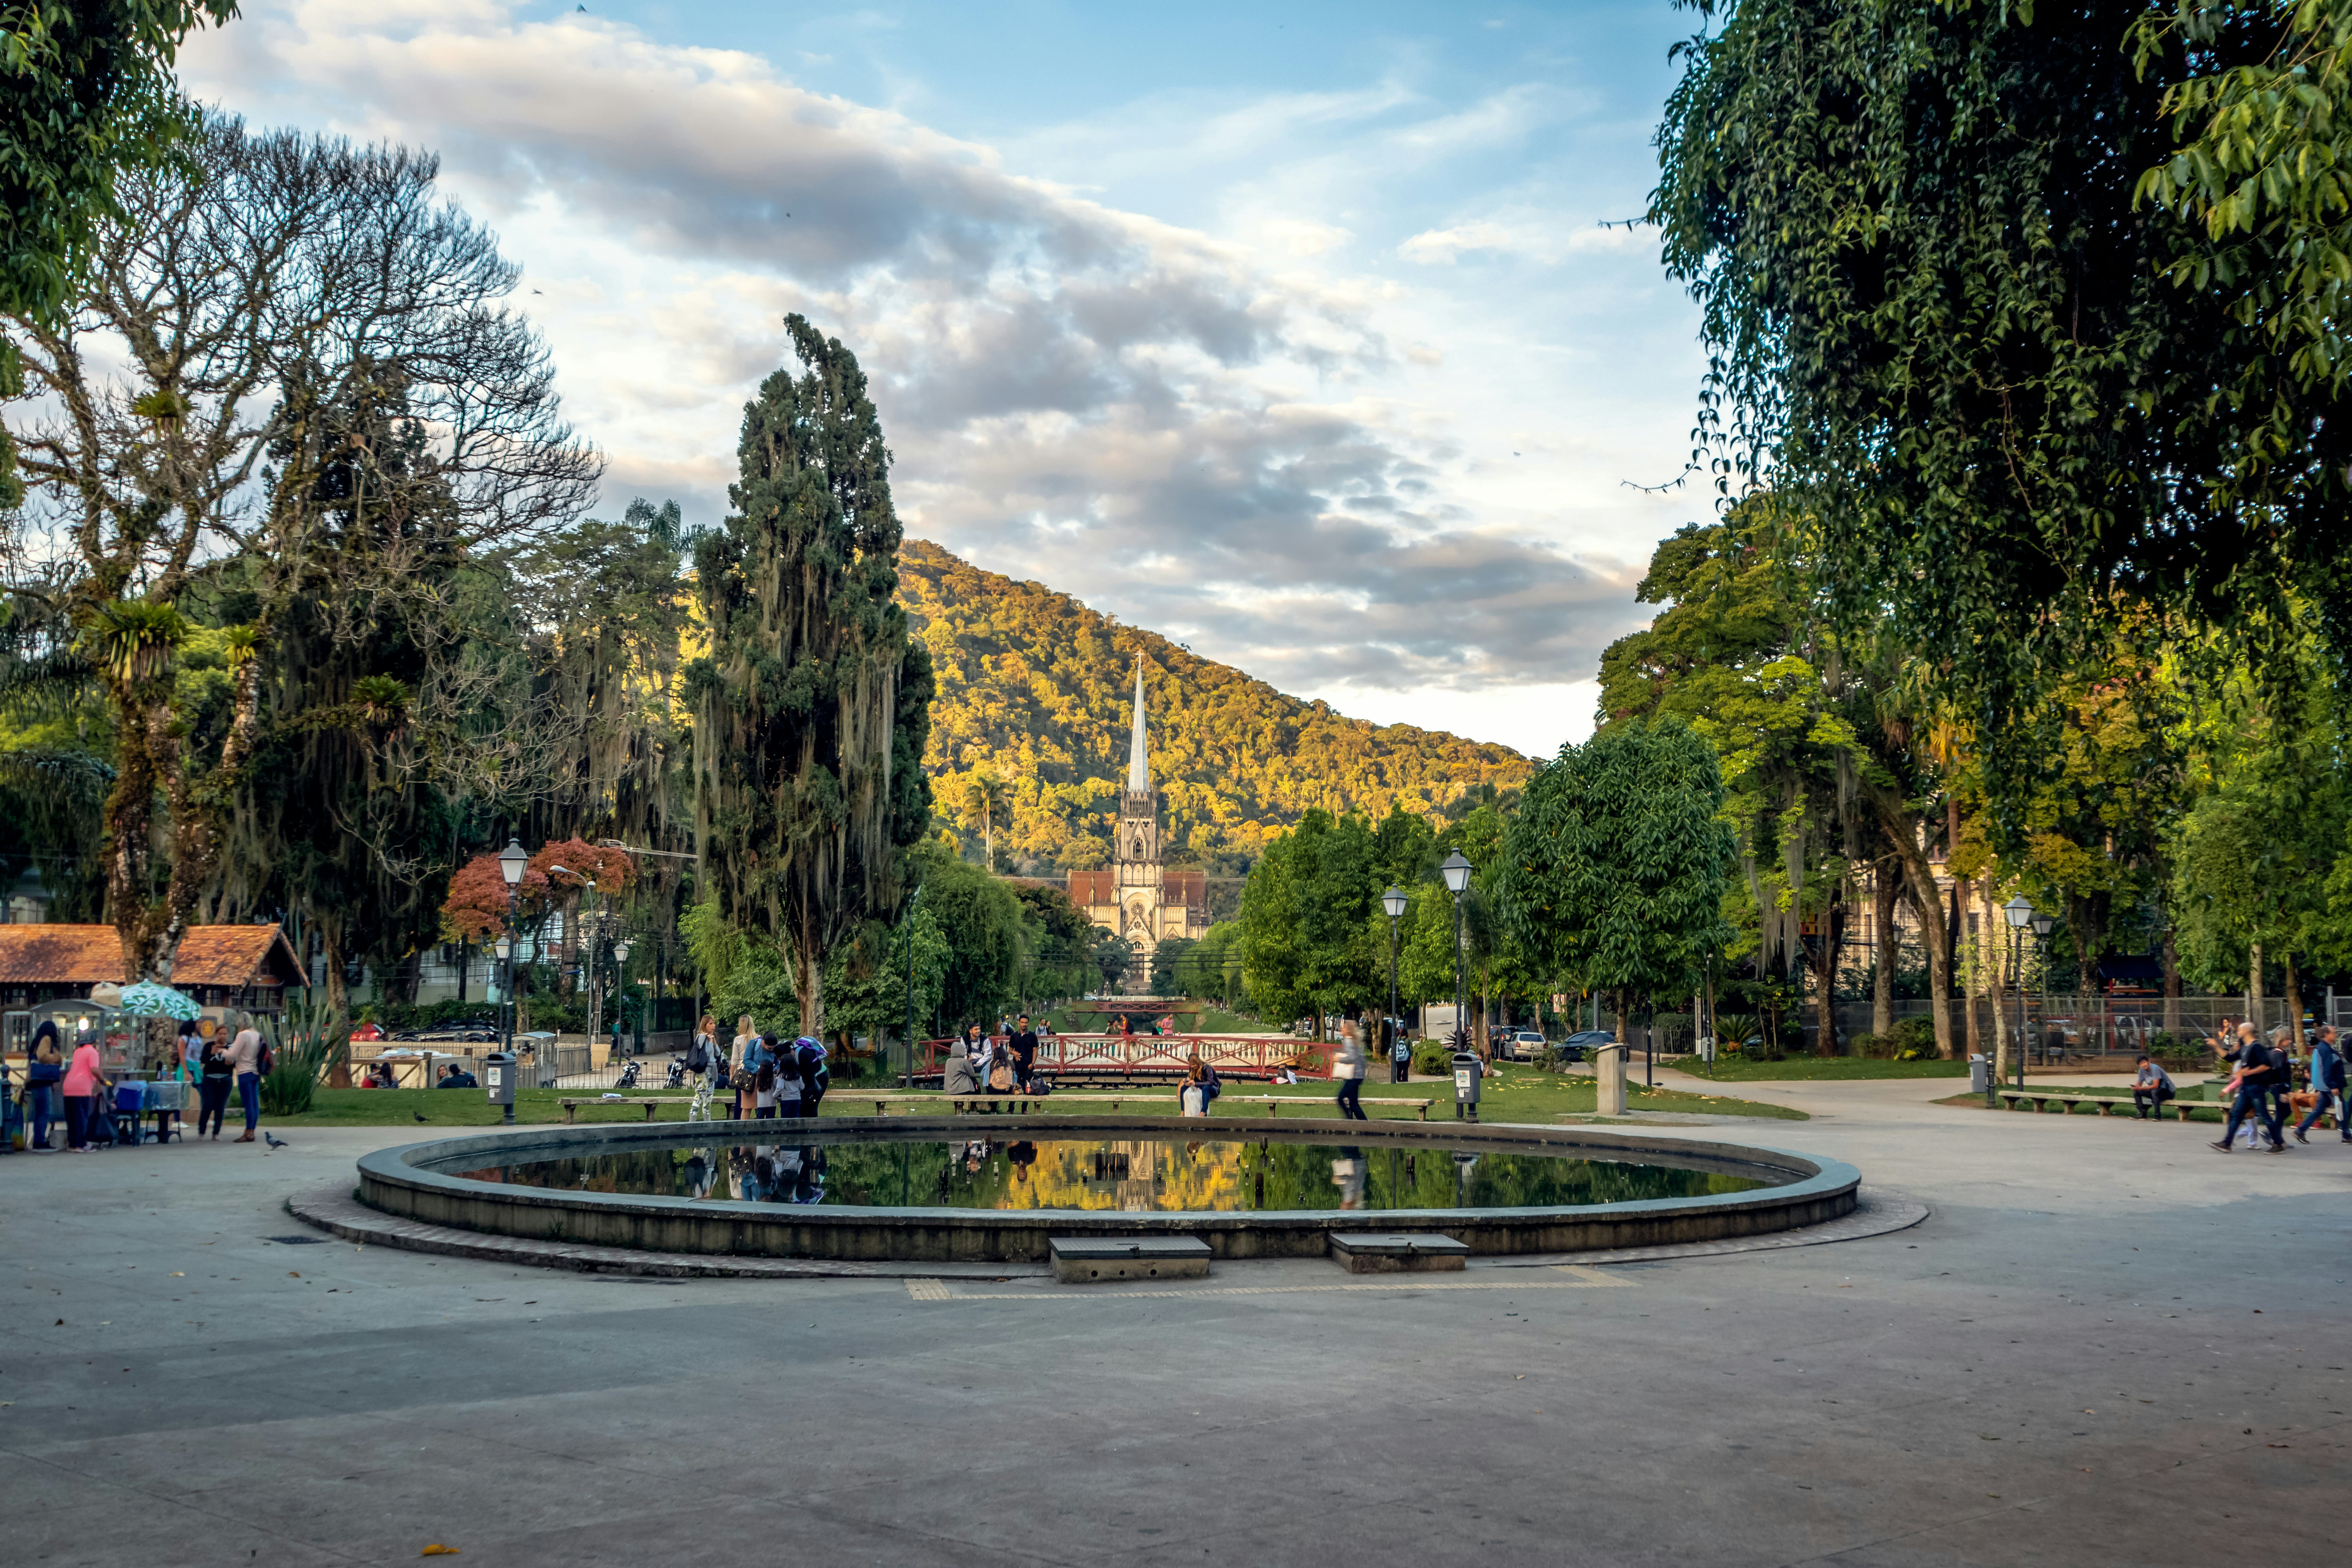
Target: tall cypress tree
[814,705]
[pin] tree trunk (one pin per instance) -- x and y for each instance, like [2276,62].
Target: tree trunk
[465,963]
[1824,968]
[2254,1013]
[338,991]
[1885,949]
[2293,1002]
[2171,984]
[808,986]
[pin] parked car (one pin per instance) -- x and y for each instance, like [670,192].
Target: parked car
[1579,1044]
[1522,1045]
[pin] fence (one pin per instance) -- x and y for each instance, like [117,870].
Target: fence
[1131,1058]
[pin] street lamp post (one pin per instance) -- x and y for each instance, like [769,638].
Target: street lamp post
[1394,901]
[1457,872]
[2018,911]
[2041,923]
[512,863]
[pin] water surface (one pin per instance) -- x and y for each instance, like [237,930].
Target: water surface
[1140,1174]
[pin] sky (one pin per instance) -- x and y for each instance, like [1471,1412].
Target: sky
[1299,334]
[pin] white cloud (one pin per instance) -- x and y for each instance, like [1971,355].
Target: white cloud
[1142,413]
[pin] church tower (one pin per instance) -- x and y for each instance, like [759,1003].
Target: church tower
[1136,897]
[1135,854]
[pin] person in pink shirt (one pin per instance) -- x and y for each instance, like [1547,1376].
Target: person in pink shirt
[85,1080]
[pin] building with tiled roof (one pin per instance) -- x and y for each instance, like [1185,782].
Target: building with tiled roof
[245,967]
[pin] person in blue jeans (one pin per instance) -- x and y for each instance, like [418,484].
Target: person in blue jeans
[2327,1083]
[245,1061]
[2250,1093]
[44,1069]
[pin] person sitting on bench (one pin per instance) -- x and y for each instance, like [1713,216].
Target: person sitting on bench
[2150,1089]
[456,1076]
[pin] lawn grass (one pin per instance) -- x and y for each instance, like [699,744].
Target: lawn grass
[1731,1070]
[1525,1095]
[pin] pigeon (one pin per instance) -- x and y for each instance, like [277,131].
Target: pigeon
[274,1140]
[418,1114]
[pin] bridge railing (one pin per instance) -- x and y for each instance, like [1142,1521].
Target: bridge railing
[1162,1056]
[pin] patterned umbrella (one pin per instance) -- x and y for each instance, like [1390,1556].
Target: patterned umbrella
[146,999]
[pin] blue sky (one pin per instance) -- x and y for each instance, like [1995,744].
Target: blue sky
[1292,331]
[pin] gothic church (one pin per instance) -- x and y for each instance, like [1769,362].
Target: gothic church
[1136,897]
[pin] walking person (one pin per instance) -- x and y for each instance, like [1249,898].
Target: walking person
[45,1071]
[1348,1067]
[2150,1089]
[2248,1091]
[2326,1085]
[213,1083]
[245,1061]
[84,1081]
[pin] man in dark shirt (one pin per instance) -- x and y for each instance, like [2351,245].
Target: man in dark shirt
[1024,1052]
[2254,1082]
[456,1076]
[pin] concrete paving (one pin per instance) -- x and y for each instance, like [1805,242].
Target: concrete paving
[2108,1344]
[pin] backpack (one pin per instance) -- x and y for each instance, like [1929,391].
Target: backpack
[266,1062]
[697,1056]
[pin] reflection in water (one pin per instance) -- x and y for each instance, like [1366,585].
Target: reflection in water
[1139,1174]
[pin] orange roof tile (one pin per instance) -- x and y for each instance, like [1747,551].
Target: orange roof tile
[91,955]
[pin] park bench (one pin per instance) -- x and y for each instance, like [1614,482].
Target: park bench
[1278,1101]
[993,1099]
[2106,1104]
[652,1103]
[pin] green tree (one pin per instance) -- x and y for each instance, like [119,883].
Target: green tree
[1941,315]
[812,706]
[1615,866]
[90,93]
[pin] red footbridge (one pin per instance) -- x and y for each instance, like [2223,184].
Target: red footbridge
[1126,1060]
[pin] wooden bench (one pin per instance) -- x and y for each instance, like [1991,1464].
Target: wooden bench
[651,1103]
[962,1103]
[1277,1101]
[2106,1104]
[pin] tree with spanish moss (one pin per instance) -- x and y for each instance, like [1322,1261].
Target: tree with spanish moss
[812,706]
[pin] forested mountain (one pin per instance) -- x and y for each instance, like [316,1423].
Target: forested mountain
[1032,716]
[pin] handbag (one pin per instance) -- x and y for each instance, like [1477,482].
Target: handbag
[739,1079]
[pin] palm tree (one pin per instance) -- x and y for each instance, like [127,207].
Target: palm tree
[985,794]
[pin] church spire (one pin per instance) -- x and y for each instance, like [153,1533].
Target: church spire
[1139,764]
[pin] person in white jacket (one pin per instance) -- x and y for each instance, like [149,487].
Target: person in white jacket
[1348,1067]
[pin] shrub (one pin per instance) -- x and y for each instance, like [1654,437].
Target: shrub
[308,1042]
[1433,1058]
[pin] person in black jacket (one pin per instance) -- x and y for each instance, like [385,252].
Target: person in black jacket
[2252,1084]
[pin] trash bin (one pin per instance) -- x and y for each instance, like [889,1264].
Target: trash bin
[1979,1075]
[499,1071]
[1467,1071]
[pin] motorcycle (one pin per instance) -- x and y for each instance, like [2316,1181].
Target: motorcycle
[628,1078]
[675,1078]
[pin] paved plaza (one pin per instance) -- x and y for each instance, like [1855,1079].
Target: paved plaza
[2107,1344]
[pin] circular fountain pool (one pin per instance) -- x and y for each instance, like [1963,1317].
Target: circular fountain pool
[964,1189]
[1134,1173]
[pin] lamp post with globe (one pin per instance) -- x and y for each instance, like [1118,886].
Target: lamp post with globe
[512,863]
[1456,871]
[2018,911]
[1394,901]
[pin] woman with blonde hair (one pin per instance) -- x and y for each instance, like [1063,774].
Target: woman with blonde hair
[743,1057]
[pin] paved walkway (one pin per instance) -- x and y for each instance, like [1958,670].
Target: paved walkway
[2108,1344]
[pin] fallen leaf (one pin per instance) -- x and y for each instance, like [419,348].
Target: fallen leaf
[437,1549]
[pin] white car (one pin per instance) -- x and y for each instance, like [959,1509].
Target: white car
[1523,1045]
